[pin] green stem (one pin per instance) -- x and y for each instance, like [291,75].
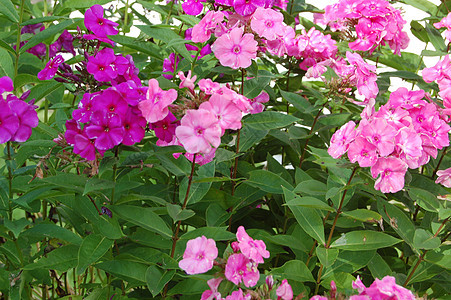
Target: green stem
[19,28]
[127,6]
[195,60]
[439,162]
[301,160]
[170,12]
[10,181]
[116,156]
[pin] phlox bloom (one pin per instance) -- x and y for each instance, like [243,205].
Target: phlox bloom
[227,113]
[284,291]
[267,23]
[240,269]
[392,171]
[234,49]
[155,107]
[255,250]
[444,177]
[9,123]
[339,143]
[100,26]
[199,255]
[107,130]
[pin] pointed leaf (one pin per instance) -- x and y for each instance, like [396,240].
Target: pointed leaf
[157,278]
[92,248]
[364,240]
[269,120]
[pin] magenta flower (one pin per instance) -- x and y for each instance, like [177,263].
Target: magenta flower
[247,7]
[155,107]
[234,49]
[107,130]
[392,171]
[101,65]
[255,250]
[27,116]
[50,68]
[72,129]
[363,152]
[238,295]
[110,101]
[267,23]
[84,146]
[228,114]
[199,255]
[84,111]
[134,127]
[380,134]
[193,7]
[444,177]
[339,143]
[100,26]
[240,269]
[9,122]
[170,65]
[257,103]
[6,84]
[165,129]
[199,131]
[284,291]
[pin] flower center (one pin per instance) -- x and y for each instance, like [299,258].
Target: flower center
[100,22]
[165,127]
[106,129]
[236,49]
[200,131]
[101,68]
[112,108]
[387,172]
[127,126]
[268,23]
[200,256]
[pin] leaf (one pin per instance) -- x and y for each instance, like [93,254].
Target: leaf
[418,30]
[326,256]
[150,49]
[143,217]
[6,64]
[269,120]
[41,36]
[177,214]
[311,187]
[42,20]
[178,167]
[425,240]
[294,270]
[309,202]
[60,259]
[198,189]
[157,278]
[92,248]
[83,3]
[23,79]
[69,181]
[308,218]
[43,89]
[334,119]
[364,240]
[7,47]
[440,257]
[216,215]
[253,87]
[298,101]
[96,184]
[16,226]
[424,199]
[435,37]
[250,137]
[9,11]
[378,267]
[125,269]
[268,181]
[423,5]
[42,230]
[216,233]
[363,215]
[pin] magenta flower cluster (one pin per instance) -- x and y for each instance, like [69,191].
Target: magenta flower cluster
[402,134]
[376,23]
[17,117]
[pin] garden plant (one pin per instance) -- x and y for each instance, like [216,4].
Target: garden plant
[224,149]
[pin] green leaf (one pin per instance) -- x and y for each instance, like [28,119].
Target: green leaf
[250,137]
[177,214]
[7,47]
[268,181]
[269,120]
[216,233]
[299,102]
[178,167]
[327,257]
[364,240]
[425,240]
[42,36]
[42,20]
[83,3]
[423,5]
[334,119]
[69,181]
[43,89]
[311,187]
[150,49]
[253,87]
[294,270]
[157,278]
[216,215]
[308,218]
[143,217]
[6,64]
[125,269]
[23,79]
[42,230]
[198,189]
[16,226]
[9,11]
[378,267]
[418,30]
[424,199]
[363,215]
[440,257]
[309,202]
[435,37]
[96,184]
[60,259]
[92,248]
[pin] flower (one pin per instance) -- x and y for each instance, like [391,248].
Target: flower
[339,143]
[134,127]
[202,31]
[267,23]
[247,7]
[382,289]
[238,295]
[212,293]
[199,255]
[107,130]
[284,291]
[255,250]
[227,113]
[50,68]
[234,49]
[9,123]
[100,26]
[6,84]
[444,177]
[27,116]
[199,131]
[240,269]
[187,81]
[193,7]
[155,107]
[101,65]
[392,171]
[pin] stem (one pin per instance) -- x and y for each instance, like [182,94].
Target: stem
[126,14]
[170,12]
[308,139]
[19,28]
[421,258]
[10,181]
[439,162]
[116,152]
[194,61]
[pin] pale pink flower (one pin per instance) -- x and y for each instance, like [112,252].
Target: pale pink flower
[155,107]
[406,99]
[444,177]
[228,114]
[238,295]
[199,131]
[203,30]
[339,143]
[257,103]
[241,269]
[267,23]
[208,86]
[363,152]
[388,289]
[212,293]
[392,171]
[187,81]
[380,134]
[318,297]
[255,250]
[234,49]
[284,291]
[199,255]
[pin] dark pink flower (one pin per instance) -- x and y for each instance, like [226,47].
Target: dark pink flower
[110,101]
[165,129]
[101,65]
[50,68]
[199,255]
[84,146]
[255,250]
[247,7]
[100,26]
[284,291]
[238,295]
[9,122]
[134,127]
[170,65]
[6,84]
[28,118]
[72,129]
[241,269]
[193,7]
[257,103]
[107,130]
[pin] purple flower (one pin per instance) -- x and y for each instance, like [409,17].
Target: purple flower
[27,116]
[51,68]
[107,130]
[134,127]
[170,65]
[6,84]
[110,101]
[193,7]
[247,7]
[100,26]
[9,122]
[101,65]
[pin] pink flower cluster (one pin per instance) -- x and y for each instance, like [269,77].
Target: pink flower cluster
[441,73]
[376,23]
[402,134]
[445,22]
[100,27]
[240,268]
[385,288]
[17,117]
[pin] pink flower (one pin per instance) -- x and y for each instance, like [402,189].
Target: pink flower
[444,177]
[363,152]
[50,68]
[406,99]
[6,84]
[170,65]
[318,297]
[28,118]
[193,7]
[202,31]
[380,134]
[388,289]
[392,171]
[199,131]
[257,103]
[9,123]
[208,86]
[187,81]
[100,26]
[247,7]
[238,295]
[212,293]
[101,65]
[267,23]
[155,107]
[199,255]
[255,250]
[234,49]
[339,143]
[284,291]
[240,269]
[227,113]
[107,130]
[84,146]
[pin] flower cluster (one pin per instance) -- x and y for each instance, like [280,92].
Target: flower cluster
[441,73]
[375,22]
[17,117]
[402,134]
[445,22]
[240,266]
